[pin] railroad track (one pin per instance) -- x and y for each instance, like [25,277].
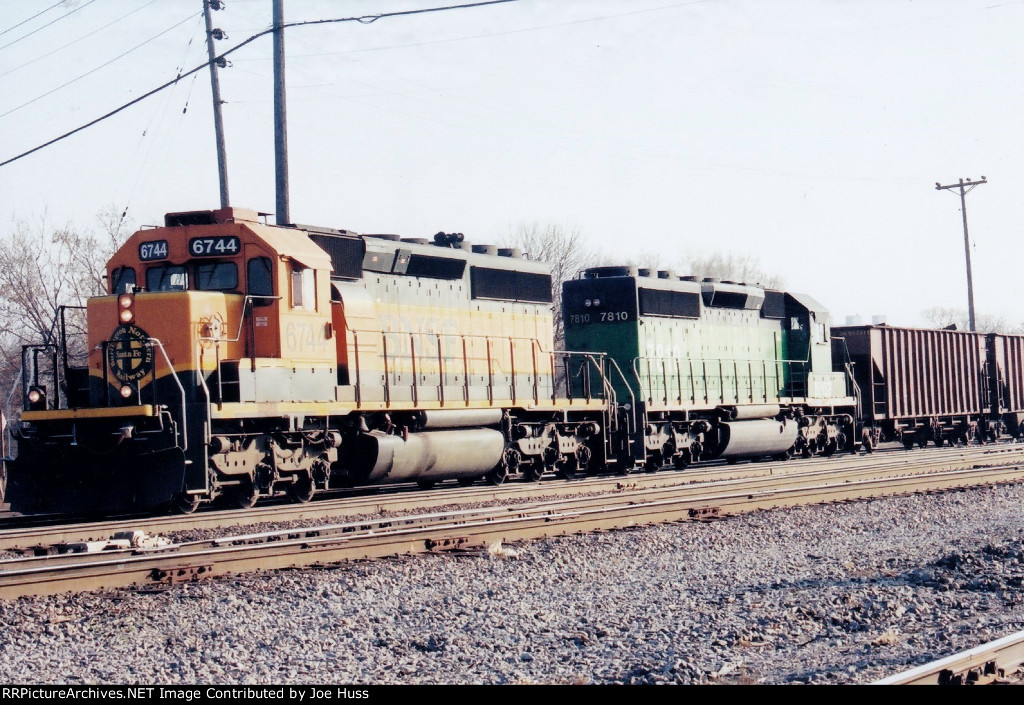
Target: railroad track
[51,531]
[46,532]
[477,528]
[983,665]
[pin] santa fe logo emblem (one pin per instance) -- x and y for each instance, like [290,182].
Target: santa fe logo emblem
[129,353]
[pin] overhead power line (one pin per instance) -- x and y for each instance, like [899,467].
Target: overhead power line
[41,12]
[365,19]
[76,41]
[94,70]
[39,29]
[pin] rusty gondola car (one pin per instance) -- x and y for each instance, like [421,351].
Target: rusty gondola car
[940,386]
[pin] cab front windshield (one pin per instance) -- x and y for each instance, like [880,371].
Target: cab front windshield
[205,276]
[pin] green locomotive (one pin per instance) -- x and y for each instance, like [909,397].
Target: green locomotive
[711,369]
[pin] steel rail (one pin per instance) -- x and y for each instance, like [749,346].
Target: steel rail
[330,545]
[393,501]
[981,665]
[81,552]
[417,499]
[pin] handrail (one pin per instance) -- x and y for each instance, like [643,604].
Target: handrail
[721,365]
[418,357]
[181,388]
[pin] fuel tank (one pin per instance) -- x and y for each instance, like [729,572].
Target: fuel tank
[429,455]
[745,439]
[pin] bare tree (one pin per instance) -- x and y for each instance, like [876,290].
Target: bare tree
[940,317]
[567,252]
[737,268]
[43,267]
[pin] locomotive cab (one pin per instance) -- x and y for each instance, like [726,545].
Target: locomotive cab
[212,308]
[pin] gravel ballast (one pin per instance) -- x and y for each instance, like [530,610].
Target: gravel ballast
[823,594]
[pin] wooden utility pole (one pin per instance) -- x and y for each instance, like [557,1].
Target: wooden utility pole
[280,122]
[218,121]
[965,187]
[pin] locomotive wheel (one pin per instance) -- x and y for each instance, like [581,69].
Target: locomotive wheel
[244,497]
[575,463]
[567,470]
[185,503]
[652,464]
[681,461]
[624,466]
[509,463]
[302,489]
[533,472]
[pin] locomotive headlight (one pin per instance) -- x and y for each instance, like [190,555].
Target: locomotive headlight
[36,397]
[587,303]
[126,391]
[125,303]
[597,302]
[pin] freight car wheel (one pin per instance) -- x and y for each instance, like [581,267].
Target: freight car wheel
[426,484]
[467,481]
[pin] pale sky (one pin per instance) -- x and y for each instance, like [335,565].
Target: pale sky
[807,134]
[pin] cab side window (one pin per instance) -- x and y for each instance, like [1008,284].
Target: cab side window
[260,280]
[304,288]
